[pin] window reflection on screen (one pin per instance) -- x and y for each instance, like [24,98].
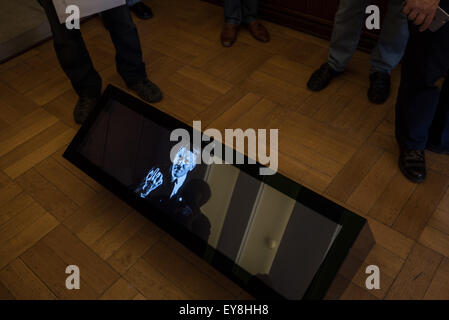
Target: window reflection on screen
[267,233]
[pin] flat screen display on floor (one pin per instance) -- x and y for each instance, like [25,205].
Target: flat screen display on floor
[269,234]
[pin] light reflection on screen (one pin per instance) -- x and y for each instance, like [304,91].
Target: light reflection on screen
[264,231]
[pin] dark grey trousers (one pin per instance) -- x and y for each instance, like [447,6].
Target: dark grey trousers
[240,11]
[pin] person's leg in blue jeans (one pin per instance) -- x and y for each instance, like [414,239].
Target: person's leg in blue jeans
[348,25]
[239,12]
[388,52]
[426,60]
[439,132]
[422,109]
[392,41]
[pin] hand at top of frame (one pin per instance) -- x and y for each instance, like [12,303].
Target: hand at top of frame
[421,12]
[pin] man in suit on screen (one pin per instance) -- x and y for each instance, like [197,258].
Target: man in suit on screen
[160,182]
[180,199]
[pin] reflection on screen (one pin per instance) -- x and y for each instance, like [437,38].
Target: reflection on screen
[265,232]
[183,163]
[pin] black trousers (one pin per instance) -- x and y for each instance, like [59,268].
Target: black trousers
[240,11]
[74,57]
[422,109]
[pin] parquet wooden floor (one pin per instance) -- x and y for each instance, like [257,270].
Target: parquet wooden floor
[334,142]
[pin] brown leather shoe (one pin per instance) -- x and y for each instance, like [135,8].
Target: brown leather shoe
[229,34]
[258,31]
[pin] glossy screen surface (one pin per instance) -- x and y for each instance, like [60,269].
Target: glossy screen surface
[270,235]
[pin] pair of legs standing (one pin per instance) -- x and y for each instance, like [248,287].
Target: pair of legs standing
[422,109]
[238,12]
[348,25]
[77,64]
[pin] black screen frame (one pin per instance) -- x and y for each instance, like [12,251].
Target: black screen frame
[351,224]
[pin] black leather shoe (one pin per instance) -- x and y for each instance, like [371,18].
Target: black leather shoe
[83,108]
[147,91]
[142,11]
[413,165]
[379,90]
[321,78]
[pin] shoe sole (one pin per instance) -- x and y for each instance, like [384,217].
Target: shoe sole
[227,45]
[261,40]
[319,89]
[378,101]
[144,18]
[154,100]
